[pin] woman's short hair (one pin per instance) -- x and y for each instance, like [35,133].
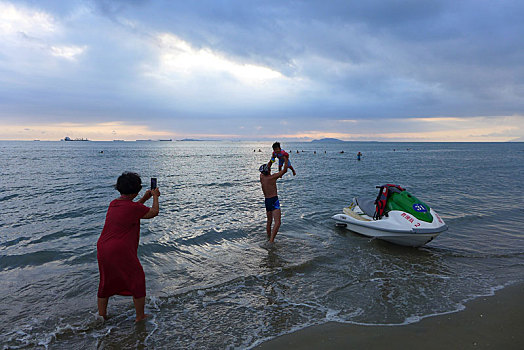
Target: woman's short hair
[128,183]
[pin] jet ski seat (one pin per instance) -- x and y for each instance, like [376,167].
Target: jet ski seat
[367,206]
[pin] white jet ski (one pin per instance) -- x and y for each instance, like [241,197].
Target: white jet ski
[395,216]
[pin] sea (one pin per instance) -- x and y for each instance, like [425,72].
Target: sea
[212,281]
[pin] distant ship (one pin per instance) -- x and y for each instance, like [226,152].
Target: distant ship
[67,138]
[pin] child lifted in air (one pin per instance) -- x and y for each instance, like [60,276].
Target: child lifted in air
[283,157]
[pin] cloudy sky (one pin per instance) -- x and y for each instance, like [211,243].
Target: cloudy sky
[411,70]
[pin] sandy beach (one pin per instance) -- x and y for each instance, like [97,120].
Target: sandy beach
[493,322]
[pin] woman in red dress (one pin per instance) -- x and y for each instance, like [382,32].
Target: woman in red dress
[120,270]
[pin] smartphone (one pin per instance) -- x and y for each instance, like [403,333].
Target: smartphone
[153,183]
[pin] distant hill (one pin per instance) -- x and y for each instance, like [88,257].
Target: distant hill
[326,140]
[332,140]
[199,140]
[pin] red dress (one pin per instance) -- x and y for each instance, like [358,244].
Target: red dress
[120,270]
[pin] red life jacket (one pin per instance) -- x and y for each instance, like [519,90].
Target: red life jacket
[382,198]
[280,155]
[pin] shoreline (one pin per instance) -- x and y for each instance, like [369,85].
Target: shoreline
[492,322]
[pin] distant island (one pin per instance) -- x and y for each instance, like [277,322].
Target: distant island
[326,140]
[190,140]
[333,140]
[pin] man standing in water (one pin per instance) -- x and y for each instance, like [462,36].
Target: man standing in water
[269,187]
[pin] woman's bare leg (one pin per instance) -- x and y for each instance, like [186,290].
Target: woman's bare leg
[102,307]
[139,308]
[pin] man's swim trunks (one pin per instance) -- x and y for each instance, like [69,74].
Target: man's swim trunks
[272,203]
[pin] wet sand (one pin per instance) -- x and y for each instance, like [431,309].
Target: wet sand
[494,322]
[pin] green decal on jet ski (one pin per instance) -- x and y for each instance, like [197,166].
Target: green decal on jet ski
[405,201]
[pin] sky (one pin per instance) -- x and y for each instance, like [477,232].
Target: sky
[394,70]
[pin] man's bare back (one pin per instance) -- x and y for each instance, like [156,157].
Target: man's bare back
[269,185]
[269,182]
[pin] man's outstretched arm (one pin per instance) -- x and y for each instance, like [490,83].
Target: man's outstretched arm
[280,173]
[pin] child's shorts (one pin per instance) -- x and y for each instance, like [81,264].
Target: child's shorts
[281,162]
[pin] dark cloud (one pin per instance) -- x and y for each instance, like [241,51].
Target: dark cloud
[350,59]
[469,50]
